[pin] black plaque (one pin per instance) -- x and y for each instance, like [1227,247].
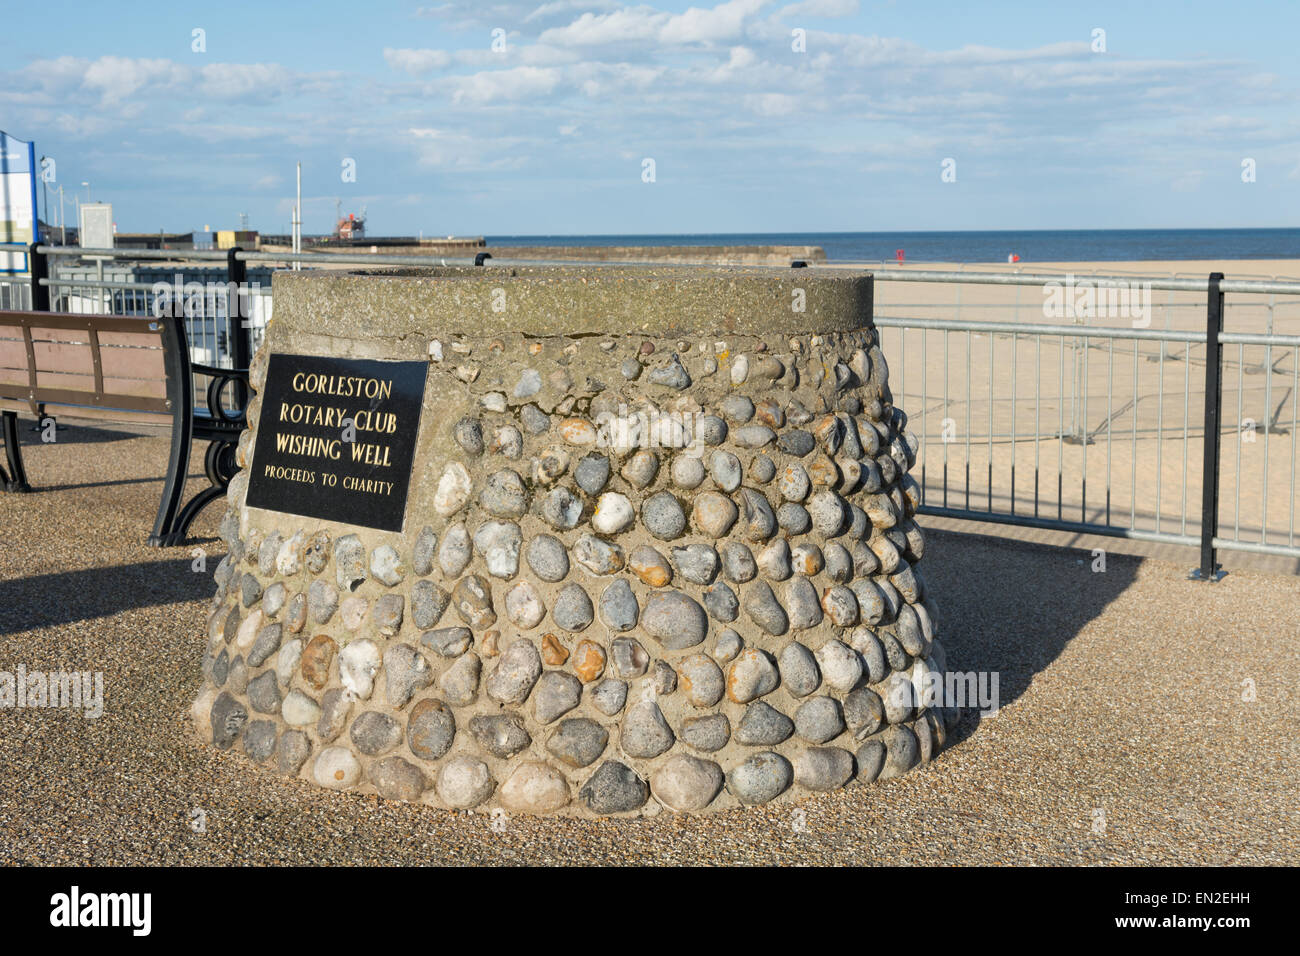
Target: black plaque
[336,439]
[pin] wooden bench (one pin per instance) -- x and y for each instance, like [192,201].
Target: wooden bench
[122,369]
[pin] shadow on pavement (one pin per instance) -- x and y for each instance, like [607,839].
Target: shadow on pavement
[53,599]
[1011,607]
[75,432]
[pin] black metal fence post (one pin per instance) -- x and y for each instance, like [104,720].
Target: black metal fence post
[238,319]
[39,268]
[1209,569]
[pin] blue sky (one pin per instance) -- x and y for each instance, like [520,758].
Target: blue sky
[746,133]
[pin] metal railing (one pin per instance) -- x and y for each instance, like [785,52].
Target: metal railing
[225,316]
[1077,427]
[1149,449]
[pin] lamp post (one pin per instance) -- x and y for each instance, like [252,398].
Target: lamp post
[63,220]
[45,189]
[297,224]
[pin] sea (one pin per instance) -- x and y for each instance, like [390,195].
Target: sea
[1048,245]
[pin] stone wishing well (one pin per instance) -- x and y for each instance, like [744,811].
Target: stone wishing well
[576,541]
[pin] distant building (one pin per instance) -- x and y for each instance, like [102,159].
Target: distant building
[353,227]
[53,235]
[229,238]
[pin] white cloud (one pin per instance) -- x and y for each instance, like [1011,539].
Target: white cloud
[534,54]
[237,80]
[513,85]
[565,7]
[416,62]
[84,126]
[739,59]
[129,84]
[526,16]
[117,77]
[820,8]
[723,23]
[461,151]
[772,104]
[622,26]
[708,91]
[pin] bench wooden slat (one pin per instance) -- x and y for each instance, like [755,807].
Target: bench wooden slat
[145,338]
[63,321]
[84,402]
[132,363]
[57,357]
[114,388]
[123,416]
[13,354]
[79,337]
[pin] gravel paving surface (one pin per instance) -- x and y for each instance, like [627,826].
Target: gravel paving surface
[1122,701]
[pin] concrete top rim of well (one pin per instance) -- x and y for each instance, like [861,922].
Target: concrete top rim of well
[576,300]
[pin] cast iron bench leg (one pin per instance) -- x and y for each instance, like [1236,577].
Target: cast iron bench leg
[167,529]
[16,479]
[218,478]
[192,509]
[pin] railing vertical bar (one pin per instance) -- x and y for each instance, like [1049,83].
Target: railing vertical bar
[1209,569]
[1236,478]
[1160,431]
[902,365]
[1083,438]
[970,421]
[1015,396]
[1015,349]
[1110,417]
[1060,436]
[1038,427]
[1295,406]
[925,362]
[990,468]
[1133,465]
[947,414]
[1268,427]
[38,268]
[1187,394]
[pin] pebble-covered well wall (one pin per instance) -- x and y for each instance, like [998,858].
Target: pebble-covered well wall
[659,551]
